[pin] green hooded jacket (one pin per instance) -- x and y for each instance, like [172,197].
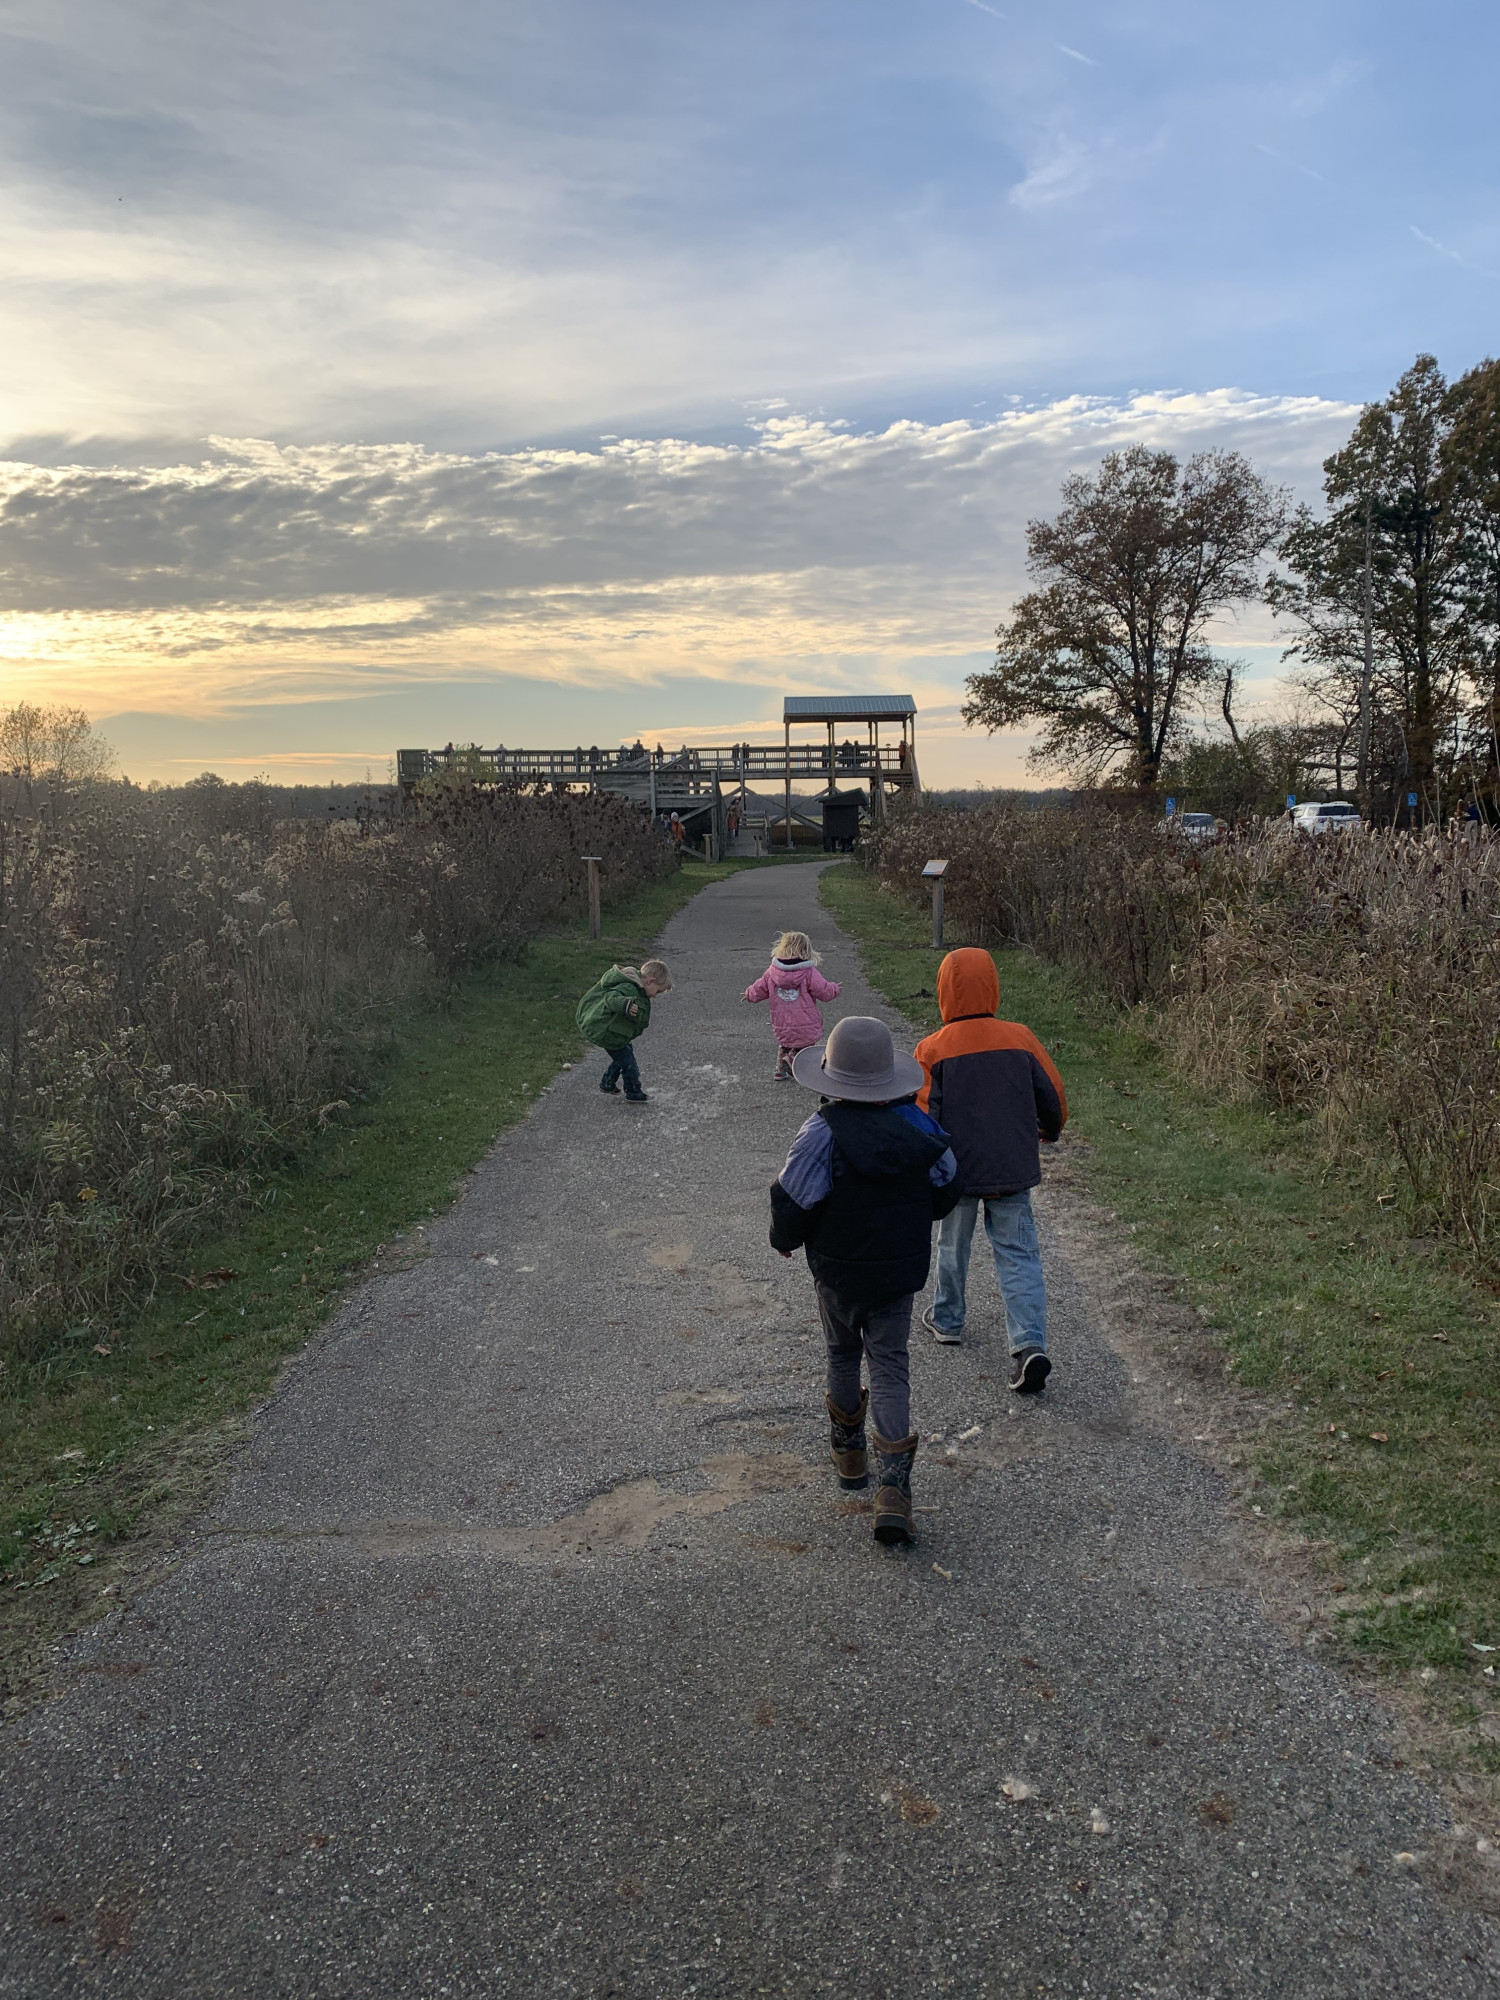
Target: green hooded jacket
[603,1016]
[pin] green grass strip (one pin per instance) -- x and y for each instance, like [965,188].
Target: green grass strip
[1377,1360]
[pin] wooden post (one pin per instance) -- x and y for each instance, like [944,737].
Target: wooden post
[788,754]
[595,925]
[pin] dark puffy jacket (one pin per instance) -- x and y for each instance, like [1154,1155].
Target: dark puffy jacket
[870,1238]
[990,1084]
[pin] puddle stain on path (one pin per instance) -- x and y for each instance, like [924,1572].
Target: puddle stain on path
[723,1288]
[623,1518]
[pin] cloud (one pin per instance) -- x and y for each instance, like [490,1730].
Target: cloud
[1282,160]
[1063,173]
[1452,255]
[476,224]
[445,230]
[285,571]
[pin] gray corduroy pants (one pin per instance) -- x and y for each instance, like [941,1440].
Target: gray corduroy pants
[882,1332]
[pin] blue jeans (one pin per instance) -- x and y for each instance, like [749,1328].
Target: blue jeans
[623,1068]
[1009,1224]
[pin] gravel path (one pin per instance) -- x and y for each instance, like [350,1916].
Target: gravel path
[532,1650]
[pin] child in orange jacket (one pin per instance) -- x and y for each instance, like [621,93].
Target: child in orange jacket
[995,1091]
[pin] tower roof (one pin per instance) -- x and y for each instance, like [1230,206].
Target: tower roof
[847,708]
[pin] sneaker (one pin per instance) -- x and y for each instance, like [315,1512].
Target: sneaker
[1029,1371]
[941,1334]
[636,1097]
[609,1089]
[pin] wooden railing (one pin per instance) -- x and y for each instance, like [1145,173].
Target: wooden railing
[689,770]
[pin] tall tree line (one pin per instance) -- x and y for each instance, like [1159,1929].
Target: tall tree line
[1393,593]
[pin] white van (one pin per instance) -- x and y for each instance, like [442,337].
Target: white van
[1329,816]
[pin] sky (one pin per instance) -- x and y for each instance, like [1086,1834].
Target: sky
[383,375]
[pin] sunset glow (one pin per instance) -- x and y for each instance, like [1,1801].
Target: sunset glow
[363,391]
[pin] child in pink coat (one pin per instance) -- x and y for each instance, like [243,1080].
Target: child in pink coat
[794,986]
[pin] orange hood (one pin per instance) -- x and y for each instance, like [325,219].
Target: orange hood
[968,984]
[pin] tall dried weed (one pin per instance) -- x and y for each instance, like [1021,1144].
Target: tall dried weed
[1353,978]
[188,984]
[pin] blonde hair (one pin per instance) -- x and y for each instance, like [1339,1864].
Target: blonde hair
[796,944]
[655,970]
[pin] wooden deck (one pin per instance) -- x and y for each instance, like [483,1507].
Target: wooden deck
[697,782]
[732,765]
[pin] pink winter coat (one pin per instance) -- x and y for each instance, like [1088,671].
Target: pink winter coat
[794,986]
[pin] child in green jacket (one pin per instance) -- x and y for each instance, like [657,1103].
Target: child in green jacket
[613,1012]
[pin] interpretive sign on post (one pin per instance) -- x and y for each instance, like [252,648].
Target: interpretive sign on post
[933,873]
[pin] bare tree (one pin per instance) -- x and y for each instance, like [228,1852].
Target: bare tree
[1471,454]
[23,744]
[52,745]
[1233,669]
[1106,650]
[1377,585]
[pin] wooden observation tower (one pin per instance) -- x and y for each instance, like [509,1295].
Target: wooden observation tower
[854,770]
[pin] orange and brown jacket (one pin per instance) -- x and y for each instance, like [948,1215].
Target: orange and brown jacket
[990,1084]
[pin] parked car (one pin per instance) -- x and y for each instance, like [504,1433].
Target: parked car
[1327,816]
[1196,828]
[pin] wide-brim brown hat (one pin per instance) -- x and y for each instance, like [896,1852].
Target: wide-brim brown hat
[859,1063]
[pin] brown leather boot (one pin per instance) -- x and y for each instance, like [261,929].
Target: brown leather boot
[846,1443]
[893,1500]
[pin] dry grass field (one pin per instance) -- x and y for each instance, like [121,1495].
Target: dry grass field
[1351,981]
[190,985]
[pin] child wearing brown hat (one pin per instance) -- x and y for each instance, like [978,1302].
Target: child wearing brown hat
[865,1179]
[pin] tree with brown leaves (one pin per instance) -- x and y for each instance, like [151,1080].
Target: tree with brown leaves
[1108,648]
